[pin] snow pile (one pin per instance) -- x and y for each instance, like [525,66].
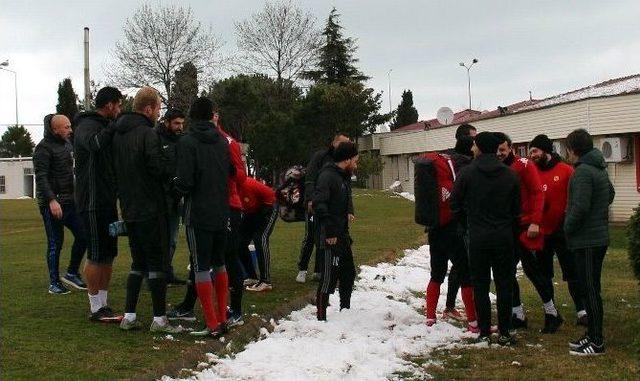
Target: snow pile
[408,196]
[371,341]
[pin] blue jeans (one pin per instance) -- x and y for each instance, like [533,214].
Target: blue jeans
[54,228]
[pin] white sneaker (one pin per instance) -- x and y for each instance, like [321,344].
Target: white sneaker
[302,277]
[260,287]
[164,327]
[250,282]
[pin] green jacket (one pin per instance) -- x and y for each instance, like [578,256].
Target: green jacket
[590,193]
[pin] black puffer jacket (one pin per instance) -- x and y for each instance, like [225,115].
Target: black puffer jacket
[140,168]
[203,167]
[53,166]
[169,147]
[332,201]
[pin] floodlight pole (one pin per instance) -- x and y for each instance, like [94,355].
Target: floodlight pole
[3,66]
[473,62]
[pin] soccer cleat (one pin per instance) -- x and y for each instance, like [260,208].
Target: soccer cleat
[234,320]
[130,325]
[208,332]
[506,340]
[431,322]
[588,349]
[250,282]
[260,287]
[57,288]
[552,323]
[518,323]
[74,280]
[105,315]
[302,277]
[164,327]
[452,314]
[179,314]
[583,321]
[579,343]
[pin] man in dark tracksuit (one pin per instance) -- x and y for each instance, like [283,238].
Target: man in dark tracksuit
[140,171]
[318,161]
[487,195]
[170,131]
[587,228]
[96,197]
[203,168]
[332,206]
[53,166]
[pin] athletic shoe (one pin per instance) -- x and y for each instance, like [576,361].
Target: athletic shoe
[129,325]
[506,340]
[473,329]
[164,327]
[234,320]
[552,323]
[105,315]
[431,322]
[250,282]
[518,323]
[589,349]
[57,288]
[453,314]
[74,280]
[302,277]
[580,342]
[260,287]
[208,332]
[179,314]
[483,339]
[583,320]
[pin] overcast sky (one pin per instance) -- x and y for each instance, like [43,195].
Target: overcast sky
[547,47]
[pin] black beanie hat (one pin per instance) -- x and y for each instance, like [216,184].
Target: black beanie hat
[344,151]
[543,142]
[463,145]
[487,142]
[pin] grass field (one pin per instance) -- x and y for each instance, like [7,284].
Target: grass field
[49,337]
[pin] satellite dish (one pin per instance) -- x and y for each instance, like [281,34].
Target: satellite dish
[445,116]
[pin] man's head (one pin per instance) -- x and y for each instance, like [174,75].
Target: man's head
[109,102]
[202,109]
[504,145]
[464,146]
[579,142]
[216,117]
[540,149]
[61,126]
[174,121]
[485,143]
[339,138]
[465,130]
[345,155]
[147,103]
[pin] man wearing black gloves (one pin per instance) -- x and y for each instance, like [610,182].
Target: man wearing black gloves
[318,161]
[332,205]
[53,165]
[96,197]
[140,171]
[487,195]
[169,132]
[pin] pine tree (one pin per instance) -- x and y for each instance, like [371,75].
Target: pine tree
[337,62]
[67,99]
[16,141]
[184,88]
[406,113]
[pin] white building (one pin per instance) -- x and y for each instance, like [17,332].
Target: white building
[610,111]
[17,179]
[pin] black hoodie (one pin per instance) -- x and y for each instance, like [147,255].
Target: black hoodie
[318,160]
[140,168]
[487,194]
[203,167]
[169,147]
[332,201]
[53,167]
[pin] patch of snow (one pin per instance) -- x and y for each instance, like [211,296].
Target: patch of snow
[408,196]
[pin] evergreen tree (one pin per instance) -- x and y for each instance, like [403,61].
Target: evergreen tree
[16,141]
[67,99]
[406,113]
[184,88]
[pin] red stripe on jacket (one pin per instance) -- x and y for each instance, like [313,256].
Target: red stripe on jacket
[255,195]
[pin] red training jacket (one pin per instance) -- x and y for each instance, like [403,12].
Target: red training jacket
[255,195]
[235,181]
[531,195]
[555,184]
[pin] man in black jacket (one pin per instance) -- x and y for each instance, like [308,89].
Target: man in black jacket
[96,196]
[487,195]
[170,131]
[53,165]
[140,171]
[332,205]
[318,161]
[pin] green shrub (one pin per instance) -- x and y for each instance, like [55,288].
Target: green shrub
[633,233]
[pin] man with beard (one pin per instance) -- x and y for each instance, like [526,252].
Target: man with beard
[332,205]
[555,175]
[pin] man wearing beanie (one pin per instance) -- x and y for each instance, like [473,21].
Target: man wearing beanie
[555,175]
[487,195]
[331,202]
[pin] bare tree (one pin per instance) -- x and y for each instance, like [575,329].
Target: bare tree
[157,42]
[281,39]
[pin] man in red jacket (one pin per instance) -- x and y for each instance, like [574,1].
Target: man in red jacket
[259,218]
[530,238]
[555,176]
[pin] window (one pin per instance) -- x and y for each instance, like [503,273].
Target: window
[2,185]
[28,171]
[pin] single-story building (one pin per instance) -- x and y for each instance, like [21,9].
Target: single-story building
[610,111]
[17,179]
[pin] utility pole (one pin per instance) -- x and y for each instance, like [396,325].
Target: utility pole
[87,82]
[473,62]
[3,66]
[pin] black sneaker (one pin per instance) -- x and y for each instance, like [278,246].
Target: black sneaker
[74,280]
[506,340]
[518,323]
[552,323]
[105,315]
[57,288]
[580,342]
[589,349]
[483,339]
[179,314]
[583,321]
